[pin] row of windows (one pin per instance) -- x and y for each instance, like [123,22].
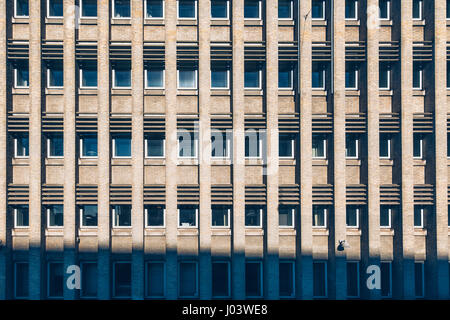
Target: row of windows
[220,145]
[154,216]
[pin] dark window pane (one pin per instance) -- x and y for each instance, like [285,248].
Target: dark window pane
[220,216]
[251,9]
[155,77]
[56,216]
[318,80]
[286,279]
[188,216]
[155,216]
[220,279]
[385,217]
[384,9]
[350,9]
[417,9]
[286,216]
[56,76]
[122,215]
[252,216]
[155,279]
[122,279]
[22,75]
[154,8]
[253,279]
[188,279]
[186,9]
[352,279]
[122,9]
[284,9]
[89,74]
[352,217]
[21,280]
[418,279]
[89,145]
[89,279]
[89,218]
[384,145]
[319,276]
[122,146]
[155,145]
[385,279]
[89,8]
[285,145]
[219,9]
[317,9]
[55,280]
[319,216]
[22,9]
[55,8]
[122,75]
[22,216]
[418,216]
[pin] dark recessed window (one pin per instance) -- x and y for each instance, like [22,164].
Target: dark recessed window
[122,279]
[220,74]
[220,279]
[253,279]
[319,216]
[188,286]
[55,75]
[121,9]
[154,78]
[21,216]
[219,9]
[285,75]
[385,9]
[220,216]
[252,9]
[318,9]
[286,216]
[253,216]
[122,74]
[320,279]
[155,215]
[286,279]
[21,8]
[187,9]
[55,8]
[88,74]
[352,279]
[385,217]
[121,145]
[187,216]
[285,9]
[55,280]
[154,9]
[155,279]
[21,75]
[351,9]
[155,145]
[89,215]
[55,145]
[88,280]
[88,145]
[55,216]
[318,75]
[286,145]
[21,282]
[122,215]
[252,75]
[21,145]
[88,8]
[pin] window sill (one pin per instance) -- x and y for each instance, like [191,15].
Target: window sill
[419,23]
[254,231]
[385,92]
[54,20]
[187,92]
[121,161]
[121,91]
[319,22]
[352,22]
[154,22]
[54,91]
[319,92]
[387,232]
[286,23]
[88,21]
[420,162]
[386,23]
[54,161]
[254,161]
[253,92]
[353,162]
[286,92]
[87,161]
[87,91]
[418,231]
[121,231]
[20,20]
[121,21]
[187,162]
[21,91]
[220,22]
[54,231]
[353,231]
[220,161]
[253,22]
[154,92]
[287,161]
[220,231]
[320,231]
[417,92]
[287,231]
[20,232]
[186,22]
[319,162]
[187,232]
[20,161]
[352,92]
[154,161]
[154,232]
[220,92]
[87,231]
[386,162]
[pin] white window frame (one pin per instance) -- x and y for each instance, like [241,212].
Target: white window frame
[292,12]
[423,279]
[325,211]
[113,8]
[357,151]
[292,263]
[114,150]
[15,10]
[324,142]
[15,279]
[323,82]
[260,155]
[81,272]
[114,280]
[146,80]
[15,149]
[388,11]
[421,218]
[48,151]
[81,220]
[48,81]
[421,149]
[187,227]
[292,151]
[228,12]
[390,279]
[228,80]
[150,18]
[356,18]
[261,279]
[358,280]
[259,11]
[15,220]
[83,17]
[114,222]
[420,11]
[259,87]
[390,220]
[146,278]
[228,149]
[154,227]
[291,72]
[358,212]
[420,79]
[81,80]
[154,157]
[48,278]
[196,279]
[15,80]
[48,11]
[229,279]
[325,278]
[260,220]
[195,79]
[48,220]
[292,212]
[81,150]
[388,81]
[114,77]
[195,148]
[389,150]
[195,8]
[228,226]
[323,12]
[356,72]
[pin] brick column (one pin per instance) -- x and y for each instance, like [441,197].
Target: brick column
[137,149]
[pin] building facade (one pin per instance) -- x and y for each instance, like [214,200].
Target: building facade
[276,149]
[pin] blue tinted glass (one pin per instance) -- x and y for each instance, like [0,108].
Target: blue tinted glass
[154,8]
[56,216]
[122,146]
[285,76]
[284,9]
[186,9]
[22,76]
[317,9]
[186,79]
[89,146]
[155,78]
[122,9]
[56,76]
[122,216]
[89,8]
[219,9]
[251,9]
[350,78]
[219,79]
[22,8]
[89,75]
[251,79]
[89,215]
[22,216]
[22,146]
[155,145]
[122,74]
[56,146]
[55,8]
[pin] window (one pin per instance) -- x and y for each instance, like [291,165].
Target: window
[351,76]
[121,9]
[121,216]
[55,145]
[122,75]
[352,279]
[219,9]
[21,216]
[285,9]
[253,279]
[385,76]
[286,279]
[417,9]
[55,216]
[318,9]
[21,9]
[154,215]
[55,280]
[154,9]
[419,279]
[352,217]
[88,279]
[286,216]
[88,8]
[220,279]
[253,144]
[385,9]
[319,216]
[88,74]
[21,275]
[418,217]
[318,76]
[385,146]
[154,76]
[448,9]
[55,76]
[221,216]
[88,145]
[88,214]
[121,145]
[253,216]
[285,75]
[21,75]
[418,146]
[220,144]
[21,145]
[417,76]
[385,217]
[448,75]
[252,75]
[252,9]
[187,144]
[351,9]
[187,9]
[187,216]
[286,145]
[351,146]
[122,279]
[187,77]
[156,275]
[220,76]
[320,279]
[155,145]
[319,146]
[187,277]
[386,279]
[448,145]
[54,8]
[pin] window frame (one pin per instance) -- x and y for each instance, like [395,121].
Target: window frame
[48,279]
[81,138]
[15,11]
[48,79]
[388,69]
[356,156]
[229,279]
[291,73]
[388,12]
[420,11]
[324,262]
[17,297]
[113,138]
[146,79]
[261,209]
[228,12]
[83,17]
[196,279]
[292,148]
[84,262]
[325,218]
[324,142]
[195,156]
[259,11]
[323,87]
[355,69]
[228,79]
[389,141]
[390,279]
[49,156]
[228,226]
[323,18]
[195,11]
[390,219]
[114,222]
[147,226]
[16,156]
[261,279]
[47,210]
[113,293]
[358,285]
[113,11]
[292,263]
[358,212]
[356,18]
[187,227]
[420,67]
[195,80]
[15,218]
[420,157]
[147,295]
[158,18]
[48,11]
[114,85]
[81,79]
[16,86]
[292,213]
[228,148]
[82,226]
[291,12]
[146,149]
[259,87]
[422,215]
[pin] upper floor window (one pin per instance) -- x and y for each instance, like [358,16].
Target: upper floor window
[286,216]
[417,13]
[253,144]
[417,76]
[220,144]
[419,216]
[55,75]
[351,9]
[21,216]
[351,146]
[318,76]
[448,151]
[88,216]
[155,145]
[220,216]
[252,9]
[88,145]
[187,144]
[351,76]
[285,75]
[187,9]
[88,9]
[319,146]
[154,76]
[418,146]
[55,145]
[21,9]
[154,9]
[385,217]
[448,9]
[286,145]
[88,74]
[55,216]
[285,9]
[121,9]
[318,9]
[385,9]
[55,8]
[448,74]
[385,146]
[253,216]
[352,217]
[187,216]
[319,216]
[252,75]
[220,9]
[122,74]
[121,145]
[385,76]
[121,215]
[220,76]
[154,216]
[21,145]
[187,77]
